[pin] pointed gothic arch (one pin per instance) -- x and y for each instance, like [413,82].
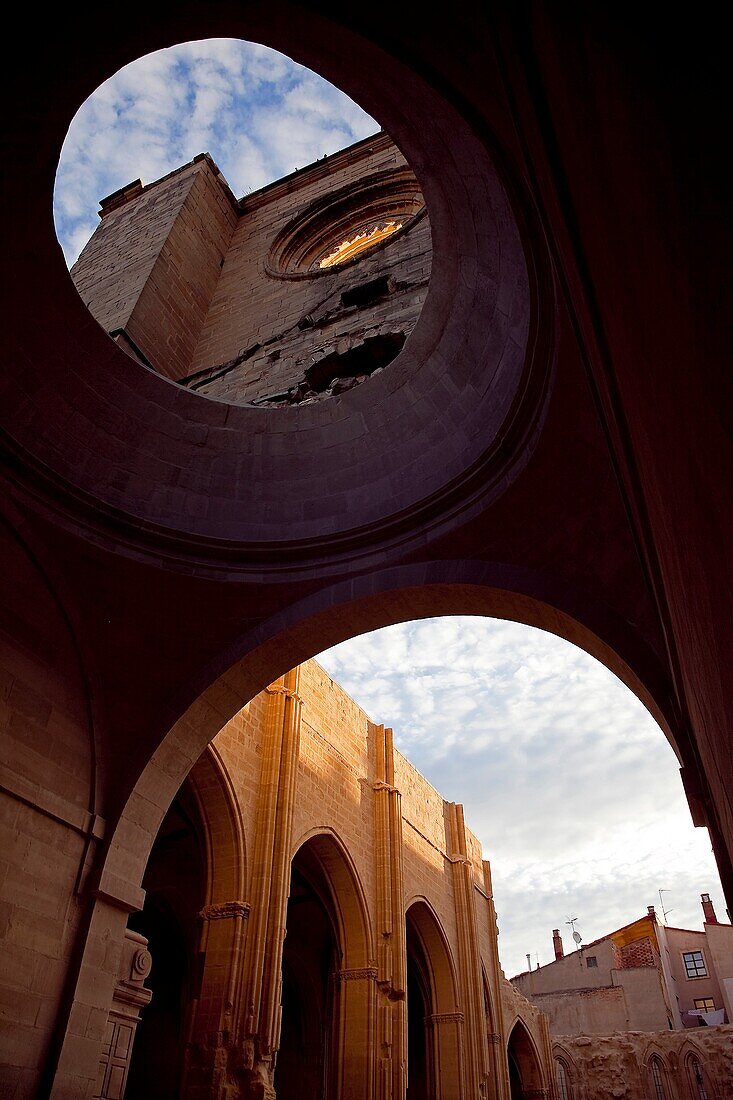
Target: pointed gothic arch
[435,1068]
[564,1072]
[698,1083]
[196,945]
[223,918]
[525,1073]
[656,1073]
[328,999]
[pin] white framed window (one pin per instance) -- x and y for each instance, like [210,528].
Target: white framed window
[694,964]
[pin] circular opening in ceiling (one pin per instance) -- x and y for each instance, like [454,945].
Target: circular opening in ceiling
[300,289]
[450,422]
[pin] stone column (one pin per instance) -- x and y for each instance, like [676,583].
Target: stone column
[271,857]
[498,1065]
[354,998]
[391,935]
[129,999]
[211,1055]
[446,1031]
[476,1059]
[548,1069]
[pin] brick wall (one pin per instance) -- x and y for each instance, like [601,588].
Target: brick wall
[639,953]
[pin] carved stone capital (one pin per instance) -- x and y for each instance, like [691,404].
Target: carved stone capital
[276,689]
[446,1018]
[380,785]
[226,910]
[492,1037]
[363,974]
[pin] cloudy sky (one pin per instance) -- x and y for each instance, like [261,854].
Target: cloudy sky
[258,113]
[568,782]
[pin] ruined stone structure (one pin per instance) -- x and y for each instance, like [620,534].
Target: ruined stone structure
[294,293]
[667,1065]
[551,444]
[321,924]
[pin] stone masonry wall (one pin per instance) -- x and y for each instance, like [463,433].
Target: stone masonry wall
[335,793]
[149,271]
[266,330]
[228,297]
[618,1067]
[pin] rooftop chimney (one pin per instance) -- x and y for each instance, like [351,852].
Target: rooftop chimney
[651,912]
[557,943]
[707,908]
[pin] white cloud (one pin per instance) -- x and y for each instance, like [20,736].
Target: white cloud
[566,779]
[258,113]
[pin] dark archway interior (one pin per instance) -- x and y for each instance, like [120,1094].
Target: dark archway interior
[305,1060]
[420,1084]
[175,888]
[524,1070]
[515,1080]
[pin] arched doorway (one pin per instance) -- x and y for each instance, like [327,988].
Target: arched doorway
[525,1075]
[434,1063]
[420,1054]
[327,985]
[193,919]
[175,885]
[306,1058]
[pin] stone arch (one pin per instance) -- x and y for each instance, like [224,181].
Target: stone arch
[694,1072]
[322,864]
[489,1009]
[565,1072]
[656,1073]
[358,606]
[175,884]
[212,789]
[223,925]
[349,898]
[433,989]
[429,929]
[525,1072]
[209,940]
[355,607]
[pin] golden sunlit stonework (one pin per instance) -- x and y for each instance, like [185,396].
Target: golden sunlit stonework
[349,249]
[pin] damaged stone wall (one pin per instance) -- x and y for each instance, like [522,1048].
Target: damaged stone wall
[619,1067]
[281,329]
[231,298]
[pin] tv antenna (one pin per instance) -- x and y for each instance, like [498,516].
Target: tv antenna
[576,935]
[661,902]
